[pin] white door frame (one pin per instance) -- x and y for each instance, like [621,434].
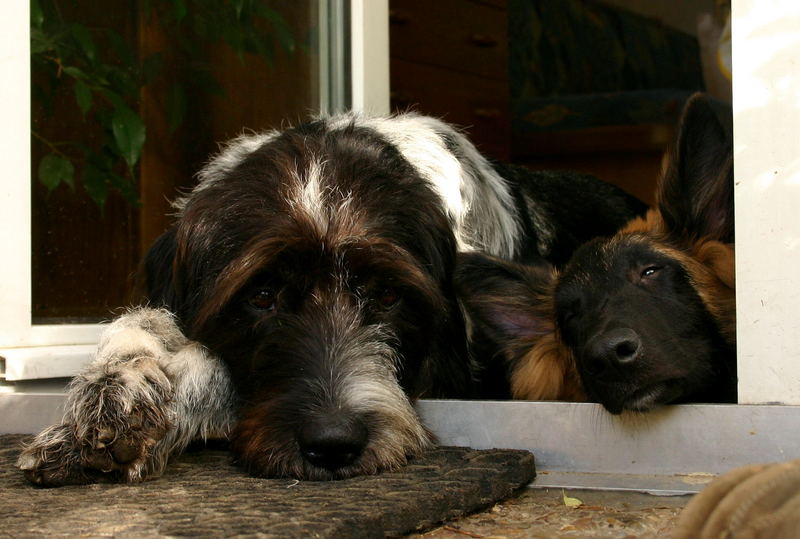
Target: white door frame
[766,117]
[15,193]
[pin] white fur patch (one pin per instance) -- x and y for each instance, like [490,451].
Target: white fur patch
[476,198]
[309,194]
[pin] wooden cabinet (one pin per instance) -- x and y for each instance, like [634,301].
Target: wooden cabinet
[449,58]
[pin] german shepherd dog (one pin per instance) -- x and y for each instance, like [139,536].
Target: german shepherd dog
[304,298]
[640,319]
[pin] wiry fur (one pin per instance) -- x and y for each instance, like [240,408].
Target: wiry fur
[308,299]
[147,394]
[643,318]
[362,381]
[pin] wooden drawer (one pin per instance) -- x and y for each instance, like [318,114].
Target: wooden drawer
[478,104]
[464,35]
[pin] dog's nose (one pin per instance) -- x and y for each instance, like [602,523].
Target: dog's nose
[613,349]
[332,442]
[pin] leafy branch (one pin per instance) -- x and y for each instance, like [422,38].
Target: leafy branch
[106,74]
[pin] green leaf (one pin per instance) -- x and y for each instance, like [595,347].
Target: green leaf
[129,134]
[95,184]
[40,41]
[264,49]
[37,15]
[54,169]
[285,37]
[83,95]
[84,39]
[74,72]
[176,107]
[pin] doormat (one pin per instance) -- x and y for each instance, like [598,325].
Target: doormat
[204,494]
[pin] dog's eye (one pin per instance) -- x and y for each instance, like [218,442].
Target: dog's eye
[388,297]
[263,299]
[650,271]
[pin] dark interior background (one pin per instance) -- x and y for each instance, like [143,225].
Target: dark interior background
[592,86]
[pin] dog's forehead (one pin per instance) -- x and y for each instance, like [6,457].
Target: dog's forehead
[601,263]
[468,189]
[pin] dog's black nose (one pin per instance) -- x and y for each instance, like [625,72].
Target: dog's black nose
[613,349]
[332,442]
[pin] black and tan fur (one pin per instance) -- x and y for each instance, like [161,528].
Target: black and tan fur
[643,318]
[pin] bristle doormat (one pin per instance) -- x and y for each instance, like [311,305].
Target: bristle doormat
[204,494]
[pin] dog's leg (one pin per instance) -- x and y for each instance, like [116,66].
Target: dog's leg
[147,394]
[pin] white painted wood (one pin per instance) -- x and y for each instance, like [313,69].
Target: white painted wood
[766,101]
[16,329]
[369,55]
[32,363]
[15,207]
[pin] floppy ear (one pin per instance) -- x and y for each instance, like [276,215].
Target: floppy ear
[158,271]
[695,195]
[506,303]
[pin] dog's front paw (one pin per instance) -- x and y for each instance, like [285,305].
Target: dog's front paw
[53,458]
[114,422]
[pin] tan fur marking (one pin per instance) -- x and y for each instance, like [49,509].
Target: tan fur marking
[712,269]
[651,222]
[546,372]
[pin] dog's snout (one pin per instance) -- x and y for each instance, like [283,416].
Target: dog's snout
[332,442]
[616,348]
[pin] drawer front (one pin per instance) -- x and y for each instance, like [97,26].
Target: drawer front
[478,104]
[464,35]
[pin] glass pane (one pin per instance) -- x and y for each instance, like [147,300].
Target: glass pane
[129,99]
[594,86]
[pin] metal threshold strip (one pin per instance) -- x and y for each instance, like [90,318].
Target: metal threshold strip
[671,451]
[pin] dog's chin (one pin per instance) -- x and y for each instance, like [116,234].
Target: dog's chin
[641,399]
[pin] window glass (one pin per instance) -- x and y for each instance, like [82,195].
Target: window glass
[128,101]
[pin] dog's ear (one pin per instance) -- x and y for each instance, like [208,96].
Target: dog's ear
[158,271]
[509,304]
[695,195]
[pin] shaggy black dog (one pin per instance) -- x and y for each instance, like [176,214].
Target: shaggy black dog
[304,298]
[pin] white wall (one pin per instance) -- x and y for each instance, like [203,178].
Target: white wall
[766,99]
